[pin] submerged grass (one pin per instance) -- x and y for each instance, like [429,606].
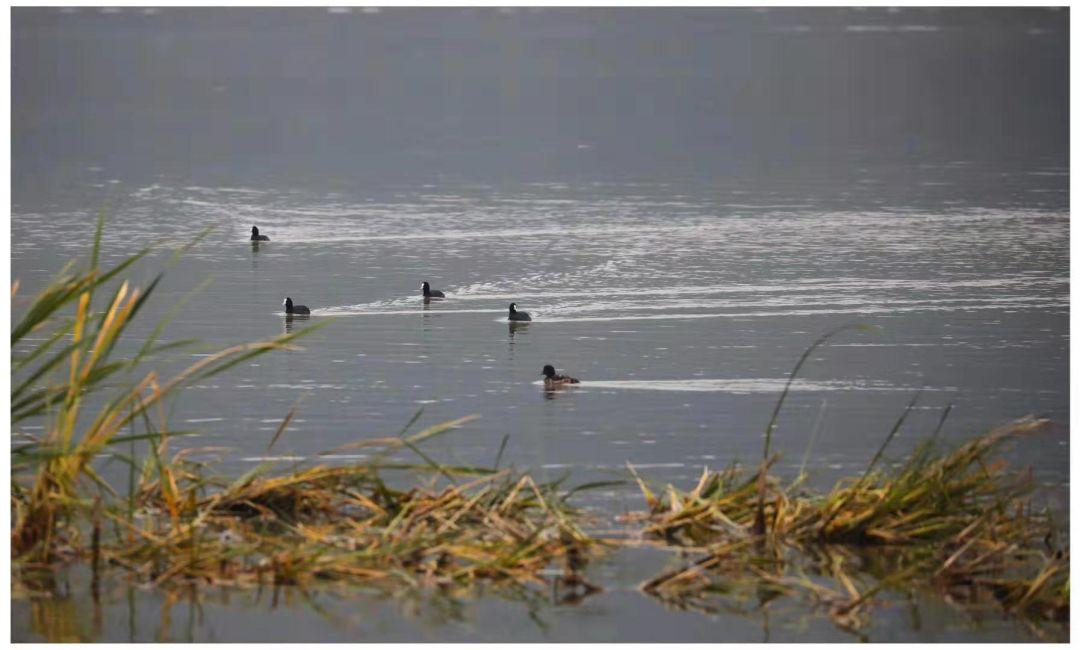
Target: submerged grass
[953,521]
[333,523]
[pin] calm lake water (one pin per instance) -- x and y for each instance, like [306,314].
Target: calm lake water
[682,299]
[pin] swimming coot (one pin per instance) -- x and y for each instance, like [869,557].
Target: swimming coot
[552,380]
[255,236]
[295,309]
[429,294]
[517,315]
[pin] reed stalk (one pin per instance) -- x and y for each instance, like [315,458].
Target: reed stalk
[759,522]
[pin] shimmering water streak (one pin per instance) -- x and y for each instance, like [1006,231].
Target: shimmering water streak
[745,386]
[862,310]
[826,298]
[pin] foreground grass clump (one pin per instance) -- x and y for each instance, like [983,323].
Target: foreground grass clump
[955,521]
[333,523]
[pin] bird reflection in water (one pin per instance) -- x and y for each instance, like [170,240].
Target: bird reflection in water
[513,327]
[289,318]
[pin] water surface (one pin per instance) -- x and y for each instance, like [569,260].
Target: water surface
[680,288]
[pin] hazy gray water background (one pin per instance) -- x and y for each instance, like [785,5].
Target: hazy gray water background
[684,200]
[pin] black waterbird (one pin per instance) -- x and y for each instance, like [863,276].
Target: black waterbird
[295,309]
[517,315]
